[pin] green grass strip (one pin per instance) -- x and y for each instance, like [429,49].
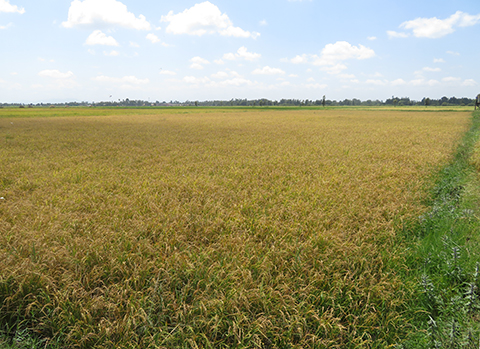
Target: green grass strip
[444,257]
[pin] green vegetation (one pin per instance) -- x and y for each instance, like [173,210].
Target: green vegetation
[445,258]
[204,227]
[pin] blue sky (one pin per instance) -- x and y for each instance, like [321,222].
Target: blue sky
[99,50]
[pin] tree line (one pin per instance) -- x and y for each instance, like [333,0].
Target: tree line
[394,101]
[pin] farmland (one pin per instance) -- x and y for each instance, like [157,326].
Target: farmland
[214,227]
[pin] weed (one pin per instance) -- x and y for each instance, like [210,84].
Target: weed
[447,243]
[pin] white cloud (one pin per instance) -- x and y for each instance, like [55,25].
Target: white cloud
[201,19]
[197,63]
[372,38]
[60,80]
[436,28]
[453,53]
[451,79]
[293,76]
[94,13]
[268,71]
[196,66]
[438,60]
[393,34]
[263,22]
[423,82]
[134,44]
[341,51]
[398,82]
[167,72]
[153,38]
[299,59]
[229,56]
[432,69]
[333,54]
[469,82]
[100,38]
[5,26]
[5,6]
[56,74]
[219,61]
[199,60]
[242,53]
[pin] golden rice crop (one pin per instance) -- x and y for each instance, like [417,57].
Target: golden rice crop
[212,227]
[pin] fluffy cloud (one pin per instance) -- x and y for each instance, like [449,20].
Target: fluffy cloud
[56,74]
[299,59]
[59,80]
[431,69]
[198,62]
[100,38]
[94,13]
[167,72]
[153,38]
[393,34]
[268,71]
[451,79]
[423,82]
[434,28]
[5,6]
[201,19]
[469,82]
[398,82]
[333,54]
[224,75]
[342,51]
[242,53]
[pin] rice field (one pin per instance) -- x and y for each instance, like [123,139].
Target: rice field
[213,228]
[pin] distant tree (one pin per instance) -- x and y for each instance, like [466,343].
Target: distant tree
[427,102]
[196,103]
[323,101]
